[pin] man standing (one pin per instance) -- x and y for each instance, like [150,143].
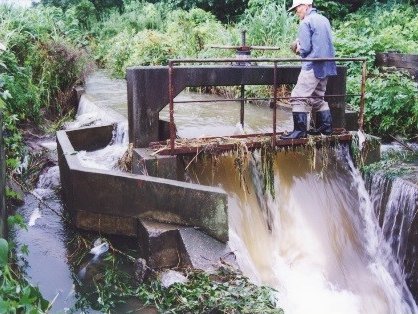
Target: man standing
[314,41]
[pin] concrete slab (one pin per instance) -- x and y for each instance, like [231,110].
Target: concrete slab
[89,138]
[159,244]
[146,163]
[166,245]
[351,120]
[203,252]
[107,224]
[371,150]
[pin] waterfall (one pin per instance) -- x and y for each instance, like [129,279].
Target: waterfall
[386,263]
[90,114]
[395,202]
[318,241]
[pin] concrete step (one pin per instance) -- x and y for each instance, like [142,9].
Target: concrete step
[204,252]
[167,245]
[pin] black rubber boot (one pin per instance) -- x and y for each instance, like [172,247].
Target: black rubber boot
[300,120]
[324,120]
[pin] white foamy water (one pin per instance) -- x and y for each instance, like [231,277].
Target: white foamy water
[48,182]
[90,114]
[107,158]
[36,214]
[395,200]
[318,241]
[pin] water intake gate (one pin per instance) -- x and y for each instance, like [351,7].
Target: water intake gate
[150,89]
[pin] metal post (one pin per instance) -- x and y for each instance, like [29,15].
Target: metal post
[171,97]
[274,103]
[363,95]
[243,44]
[242,105]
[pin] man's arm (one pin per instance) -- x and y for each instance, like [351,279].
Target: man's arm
[305,39]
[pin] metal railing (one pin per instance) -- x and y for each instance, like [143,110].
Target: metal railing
[172,63]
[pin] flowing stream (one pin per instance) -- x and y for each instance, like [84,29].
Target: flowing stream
[317,241]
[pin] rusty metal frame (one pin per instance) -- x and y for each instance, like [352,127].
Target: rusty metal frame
[242,99]
[255,141]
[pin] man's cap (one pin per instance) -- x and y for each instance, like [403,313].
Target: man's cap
[297,3]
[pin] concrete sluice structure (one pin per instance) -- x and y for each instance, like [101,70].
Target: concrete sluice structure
[120,203]
[324,246]
[114,202]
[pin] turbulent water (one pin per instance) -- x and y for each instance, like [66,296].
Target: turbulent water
[396,208]
[318,241]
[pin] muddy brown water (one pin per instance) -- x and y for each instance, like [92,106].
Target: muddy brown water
[317,241]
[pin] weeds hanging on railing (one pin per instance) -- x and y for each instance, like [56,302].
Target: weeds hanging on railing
[268,154]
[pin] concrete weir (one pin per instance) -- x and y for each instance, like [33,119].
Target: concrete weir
[112,202]
[177,223]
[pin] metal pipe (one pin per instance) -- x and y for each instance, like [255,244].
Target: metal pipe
[256,136]
[274,104]
[219,60]
[250,47]
[255,99]
[254,145]
[171,111]
[242,100]
[243,38]
[363,96]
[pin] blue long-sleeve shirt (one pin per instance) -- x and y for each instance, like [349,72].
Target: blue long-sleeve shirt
[315,40]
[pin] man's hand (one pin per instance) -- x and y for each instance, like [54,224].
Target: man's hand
[295,46]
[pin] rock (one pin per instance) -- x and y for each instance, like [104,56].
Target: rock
[171,277]
[17,196]
[141,270]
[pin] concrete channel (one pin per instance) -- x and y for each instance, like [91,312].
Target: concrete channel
[165,215]
[175,222]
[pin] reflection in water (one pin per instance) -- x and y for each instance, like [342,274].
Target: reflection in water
[317,241]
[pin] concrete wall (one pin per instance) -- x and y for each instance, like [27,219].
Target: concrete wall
[401,61]
[148,91]
[112,194]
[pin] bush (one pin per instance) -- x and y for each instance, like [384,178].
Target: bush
[378,29]
[183,34]
[38,69]
[191,32]
[269,23]
[17,295]
[392,105]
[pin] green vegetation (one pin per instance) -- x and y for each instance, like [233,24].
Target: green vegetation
[392,97]
[395,164]
[148,34]
[38,69]
[47,51]
[223,291]
[16,294]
